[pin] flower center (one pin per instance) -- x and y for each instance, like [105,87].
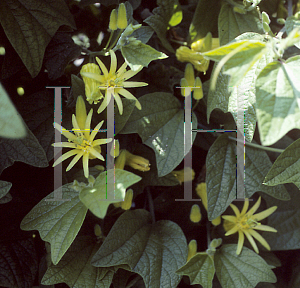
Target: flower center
[244,223]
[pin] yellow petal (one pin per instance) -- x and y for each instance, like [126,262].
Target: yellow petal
[80,112]
[231,231]
[229,218]
[198,92]
[75,160]
[126,204]
[189,74]
[76,128]
[235,210]
[260,239]
[101,141]
[254,207]
[65,132]
[264,214]
[201,191]
[105,102]
[65,156]
[95,131]
[130,84]
[65,144]
[264,228]
[121,160]
[128,95]
[121,70]
[113,63]
[240,243]
[185,90]
[119,103]
[87,125]
[102,67]
[251,240]
[95,153]
[130,73]
[85,162]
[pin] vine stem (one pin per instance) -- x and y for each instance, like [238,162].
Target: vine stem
[258,146]
[151,206]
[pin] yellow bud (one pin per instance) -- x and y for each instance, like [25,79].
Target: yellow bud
[126,204]
[113,20]
[189,74]
[115,149]
[195,215]
[216,221]
[201,192]
[184,175]
[20,91]
[121,160]
[92,91]
[266,27]
[185,91]
[97,230]
[2,51]
[122,18]
[80,112]
[137,162]
[192,249]
[198,92]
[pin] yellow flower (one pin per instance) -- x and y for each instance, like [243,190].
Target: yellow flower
[246,223]
[192,249]
[195,215]
[202,193]
[126,204]
[184,175]
[122,18]
[134,161]
[113,83]
[92,92]
[190,84]
[82,142]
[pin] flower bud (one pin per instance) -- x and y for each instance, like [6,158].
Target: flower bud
[113,20]
[266,27]
[137,162]
[97,230]
[122,18]
[265,17]
[215,243]
[80,112]
[192,249]
[126,204]
[195,215]
[184,175]
[216,221]
[92,92]
[185,90]
[281,21]
[198,92]
[115,149]
[201,192]
[189,74]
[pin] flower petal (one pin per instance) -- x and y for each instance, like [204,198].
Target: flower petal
[80,112]
[102,67]
[130,73]
[119,103]
[121,70]
[251,240]
[76,128]
[128,84]
[264,228]
[96,154]
[240,243]
[87,125]
[101,141]
[260,239]
[65,132]
[94,76]
[232,231]
[264,214]
[254,207]
[95,131]
[105,102]
[75,160]
[85,162]
[128,95]
[65,156]
[235,210]
[65,144]
[229,218]
[113,62]
[245,207]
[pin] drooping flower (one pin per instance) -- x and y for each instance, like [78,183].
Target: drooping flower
[114,82]
[245,223]
[195,215]
[82,142]
[202,193]
[136,162]
[185,175]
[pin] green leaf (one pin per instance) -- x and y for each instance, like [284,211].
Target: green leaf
[155,251]
[143,34]
[58,221]
[200,269]
[244,270]
[168,143]
[75,267]
[30,27]
[286,221]
[18,263]
[226,98]
[39,117]
[221,175]
[120,120]
[238,58]
[96,199]
[286,167]
[159,21]
[4,188]
[136,54]
[152,117]
[27,150]
[11,123]
[291,23]
[205,19]
[161,127]
[232,24]
[277,95]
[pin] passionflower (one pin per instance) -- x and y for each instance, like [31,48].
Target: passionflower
[114,82]
[245,223]
[82,141]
